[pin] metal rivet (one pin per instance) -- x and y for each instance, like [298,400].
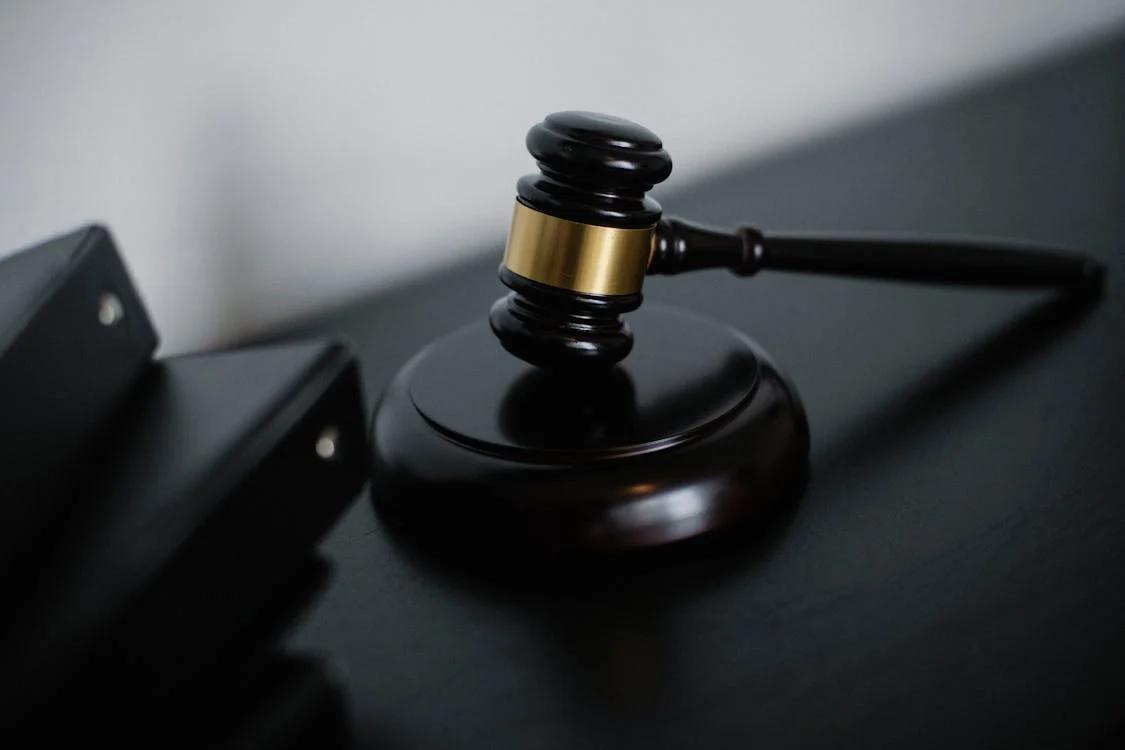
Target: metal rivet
[327,443]
[110,309]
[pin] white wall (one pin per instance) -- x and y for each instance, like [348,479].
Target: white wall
[260,159]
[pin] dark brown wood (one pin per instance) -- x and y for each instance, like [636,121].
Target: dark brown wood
[559,329]
[680,246]
[595,169]
[696,431]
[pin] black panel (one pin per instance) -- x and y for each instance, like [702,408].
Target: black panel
[74,337]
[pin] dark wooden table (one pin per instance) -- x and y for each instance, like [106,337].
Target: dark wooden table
[955,573]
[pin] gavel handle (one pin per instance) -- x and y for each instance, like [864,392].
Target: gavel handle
[679,246]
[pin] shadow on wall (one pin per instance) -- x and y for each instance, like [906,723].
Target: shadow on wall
[259,228]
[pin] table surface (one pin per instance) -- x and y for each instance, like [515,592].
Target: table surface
[954,572]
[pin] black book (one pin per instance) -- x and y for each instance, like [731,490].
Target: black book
[74,337]
[225,471]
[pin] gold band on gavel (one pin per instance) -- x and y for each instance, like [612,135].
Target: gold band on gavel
[579,257]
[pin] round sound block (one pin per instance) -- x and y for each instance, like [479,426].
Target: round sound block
[694,431]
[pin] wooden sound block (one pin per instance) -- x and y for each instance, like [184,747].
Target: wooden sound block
[695,431]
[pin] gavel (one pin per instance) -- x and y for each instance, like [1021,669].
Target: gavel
[584,235]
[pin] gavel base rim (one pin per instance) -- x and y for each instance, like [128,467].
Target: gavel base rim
[475,449]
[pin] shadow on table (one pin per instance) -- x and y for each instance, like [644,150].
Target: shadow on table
[962,378]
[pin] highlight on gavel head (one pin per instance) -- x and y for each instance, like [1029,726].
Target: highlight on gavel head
[580,241]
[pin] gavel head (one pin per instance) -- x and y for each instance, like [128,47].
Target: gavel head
[580,241]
